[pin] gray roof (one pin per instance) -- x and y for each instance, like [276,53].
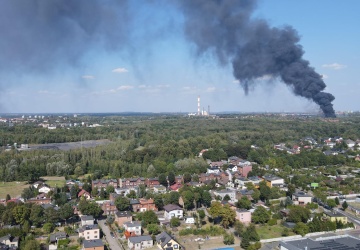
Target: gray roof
[163,238]
[171,207]
[328,243]
[87,217]
[139,239]
[333,213]
[88,227]
[57,236]
[133,224]
[93,243]
[302,194]
[123,214]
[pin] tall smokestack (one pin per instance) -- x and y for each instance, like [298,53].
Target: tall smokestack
[227,29]
[199,112]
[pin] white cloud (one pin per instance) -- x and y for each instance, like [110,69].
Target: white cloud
[236,81]
[125,87]
[334,66]
[210,89]
[120,70]
[89,77]
[265,78]
[323,76]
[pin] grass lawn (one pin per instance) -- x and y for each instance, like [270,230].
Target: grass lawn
[267,232]
[54,181]
[14,189]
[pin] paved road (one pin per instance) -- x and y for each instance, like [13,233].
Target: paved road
[113,242]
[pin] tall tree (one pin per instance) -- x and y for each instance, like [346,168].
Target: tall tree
[122,203]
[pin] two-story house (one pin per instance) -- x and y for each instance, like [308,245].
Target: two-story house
[224,192]
[143,205]
[132,228]
[151,182]
[301,198]
[165,241]
[102,183]
[172,210]
[244,216]
[87,220]
[93,245]
[89,232]
[109,208]
[132,182]
[273,181]
[122,216]
[10,241]
[140,242]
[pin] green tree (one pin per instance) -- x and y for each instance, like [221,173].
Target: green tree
[153,229]
[37,215]
[90,208]
[66,211]
[110,189]
[175,222]
[252,234]
[265,191]
[148,217]
[227,216]
[48,227]
[8,197]
[187,177]
[228,239]
[260,215]
[206,198]
[345,205]
[122,203]
[239,228]
[171,178]
[32,245]
[337,202]
[331,203]
[215,209]
[301,228]
[244,203]
[21,214]
[163,180]
[299,214]
[188,198]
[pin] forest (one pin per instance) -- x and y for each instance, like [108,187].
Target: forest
[150,145]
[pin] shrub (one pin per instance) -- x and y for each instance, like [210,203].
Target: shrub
[272,222]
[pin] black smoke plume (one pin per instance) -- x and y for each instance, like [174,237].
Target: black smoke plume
[227,29]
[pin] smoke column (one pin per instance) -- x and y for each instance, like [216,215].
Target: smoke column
[254,49]
[38,36]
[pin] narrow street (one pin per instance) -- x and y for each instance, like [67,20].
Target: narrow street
[113,242]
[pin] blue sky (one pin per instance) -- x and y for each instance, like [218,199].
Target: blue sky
[162,73]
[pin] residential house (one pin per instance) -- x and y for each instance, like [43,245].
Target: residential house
[244,192]
[132,182]
[335,216]
[132,228]
[273,181]
[175,187]
[234,160]
[232,168]
[10,241]
[151,182]
[102,183]
[164,241]
[301,198]
[44,189]
[38,184]
[57,236]
[122,216]
[87,220]
[189,219]
[143,205]
[244,216]
[124,191]
[179,179]
[109,208]
[140,242]
[244,168]
[213,170]
[84,194]
[350,143]
[255,181]
[241,181]
[224,192]
[93,245]
[160,189]
[40,199]
[217,164]
[172,210]
[89,232]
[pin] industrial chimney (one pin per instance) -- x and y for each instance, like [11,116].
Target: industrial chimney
[199,112]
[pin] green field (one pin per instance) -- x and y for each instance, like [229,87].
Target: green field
[54,181]
[268,232]
[14,189]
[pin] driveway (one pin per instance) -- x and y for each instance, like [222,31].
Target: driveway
[113,242]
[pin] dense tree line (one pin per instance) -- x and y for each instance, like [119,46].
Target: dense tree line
[150,146]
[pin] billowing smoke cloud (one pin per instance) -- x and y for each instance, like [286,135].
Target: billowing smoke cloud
[40,35]
[254,49]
